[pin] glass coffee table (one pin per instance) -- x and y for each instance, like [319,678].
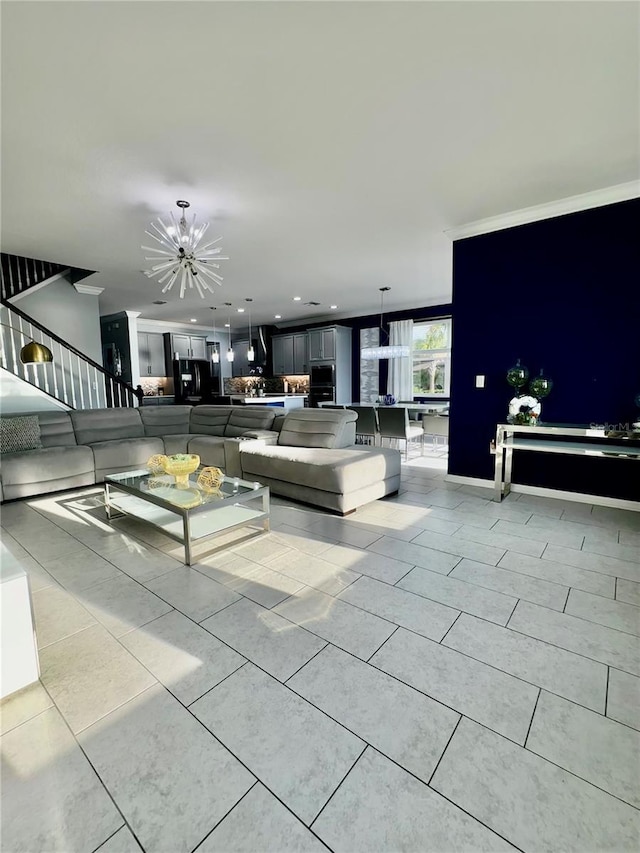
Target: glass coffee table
[189,515]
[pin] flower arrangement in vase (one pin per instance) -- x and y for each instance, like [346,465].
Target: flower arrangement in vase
[525,409]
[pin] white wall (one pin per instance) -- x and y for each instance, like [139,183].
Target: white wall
[73,316]
[17,396]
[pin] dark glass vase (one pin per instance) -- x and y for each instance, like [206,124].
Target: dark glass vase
[541,386]
[517,375]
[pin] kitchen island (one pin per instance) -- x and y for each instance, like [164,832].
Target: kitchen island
[283,401]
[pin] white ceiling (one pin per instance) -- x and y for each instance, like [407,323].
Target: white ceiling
[331,143]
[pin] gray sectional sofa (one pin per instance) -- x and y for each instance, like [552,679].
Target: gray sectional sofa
[307,454]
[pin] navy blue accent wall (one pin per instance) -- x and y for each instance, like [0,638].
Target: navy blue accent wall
[562,294]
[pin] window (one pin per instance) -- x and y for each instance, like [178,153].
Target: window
[432,358]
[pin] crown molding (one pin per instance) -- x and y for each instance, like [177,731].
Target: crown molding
[572,204]
[89,289]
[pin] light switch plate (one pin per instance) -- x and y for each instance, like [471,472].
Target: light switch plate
[479,381]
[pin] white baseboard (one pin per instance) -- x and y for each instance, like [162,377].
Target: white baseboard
[578,497]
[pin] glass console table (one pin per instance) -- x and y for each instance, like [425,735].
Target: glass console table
[188,515]
[570,439]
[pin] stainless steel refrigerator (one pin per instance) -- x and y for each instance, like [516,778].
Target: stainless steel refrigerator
[194,381]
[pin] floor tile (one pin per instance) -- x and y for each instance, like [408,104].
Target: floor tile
[122,604]
[307,542]
[260,823]
[264,637]
[192,593]
[460,547]
[313,571]
[415,555]
[459,594]
[381,807]
[343,531]
[414,612]
[586,638]
[624,519]
[122,841]
[559,573]
[172,781]
[371,704]
[332,619]
[485,694]
[512,583]
[623,699]
[604,611]
[89,674]
[500,539]
[508,511]
[528,800]
[394,527]
[22,706]
[628,537]
[559,671]
[263,549]
[39,578]
[57,615]
[628,591]
[620,552]
[81,569]
[463,516]
[264,586]
[51,798]
[367,563]
[141,562]
[294,749]
[593,562]
[543,534]
[48,543]
[185,657]
[559,732]
[437,525]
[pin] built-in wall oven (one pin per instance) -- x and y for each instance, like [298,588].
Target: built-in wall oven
[320,395]
[322,375]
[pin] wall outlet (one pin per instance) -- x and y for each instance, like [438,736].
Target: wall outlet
[479,381]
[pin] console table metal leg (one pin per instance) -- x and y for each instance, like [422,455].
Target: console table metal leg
[508,464]
[499,466]
[266,524]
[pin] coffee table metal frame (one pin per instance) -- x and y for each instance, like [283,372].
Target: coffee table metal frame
[236,494]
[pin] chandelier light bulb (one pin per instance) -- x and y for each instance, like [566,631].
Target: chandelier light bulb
[179,254]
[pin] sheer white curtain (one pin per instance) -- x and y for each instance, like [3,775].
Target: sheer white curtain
[400,382]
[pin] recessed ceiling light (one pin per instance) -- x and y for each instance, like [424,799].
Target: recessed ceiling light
[193,320]
[278,317]
[297,298]
[240,310]
[333,306]
[227,325]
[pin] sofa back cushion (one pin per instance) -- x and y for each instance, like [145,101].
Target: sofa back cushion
[165,420]
[56,429]
[91,425]
[319,428]
[209,420]
[19,433]
[244,418]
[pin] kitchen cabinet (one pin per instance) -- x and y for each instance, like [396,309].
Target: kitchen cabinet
[290,354]
[322,344]
[187,346]
[151,354]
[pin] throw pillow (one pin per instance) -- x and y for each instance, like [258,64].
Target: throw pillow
[21,433]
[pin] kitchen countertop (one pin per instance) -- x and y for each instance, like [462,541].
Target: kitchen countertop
[270,399]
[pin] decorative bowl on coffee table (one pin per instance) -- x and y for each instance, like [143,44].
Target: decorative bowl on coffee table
[180,465]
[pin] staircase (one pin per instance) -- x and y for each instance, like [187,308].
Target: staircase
[72,378]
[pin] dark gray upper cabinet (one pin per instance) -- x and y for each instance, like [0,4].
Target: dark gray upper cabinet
[322,344]
[289,354]
[151,354]
[187,346]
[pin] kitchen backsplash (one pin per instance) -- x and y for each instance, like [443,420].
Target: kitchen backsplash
[243,384]
[154,385]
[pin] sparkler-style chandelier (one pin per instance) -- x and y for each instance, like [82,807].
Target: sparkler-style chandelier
[383,351]
[179,254]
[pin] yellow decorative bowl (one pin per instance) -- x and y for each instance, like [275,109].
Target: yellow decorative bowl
[180,465]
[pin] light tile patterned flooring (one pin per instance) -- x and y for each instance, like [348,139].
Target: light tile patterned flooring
[436,672]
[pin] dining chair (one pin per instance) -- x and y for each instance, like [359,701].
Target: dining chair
[413,414]
[435,426]
[367,423]
[394,424]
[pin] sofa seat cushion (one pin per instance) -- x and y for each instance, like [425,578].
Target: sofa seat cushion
[338,470]
[210,449]
[48,463]
[122,454]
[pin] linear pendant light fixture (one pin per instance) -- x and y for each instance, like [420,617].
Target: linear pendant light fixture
[230,353]
[179,253]
[251,356]
[215,352]
[381,352]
